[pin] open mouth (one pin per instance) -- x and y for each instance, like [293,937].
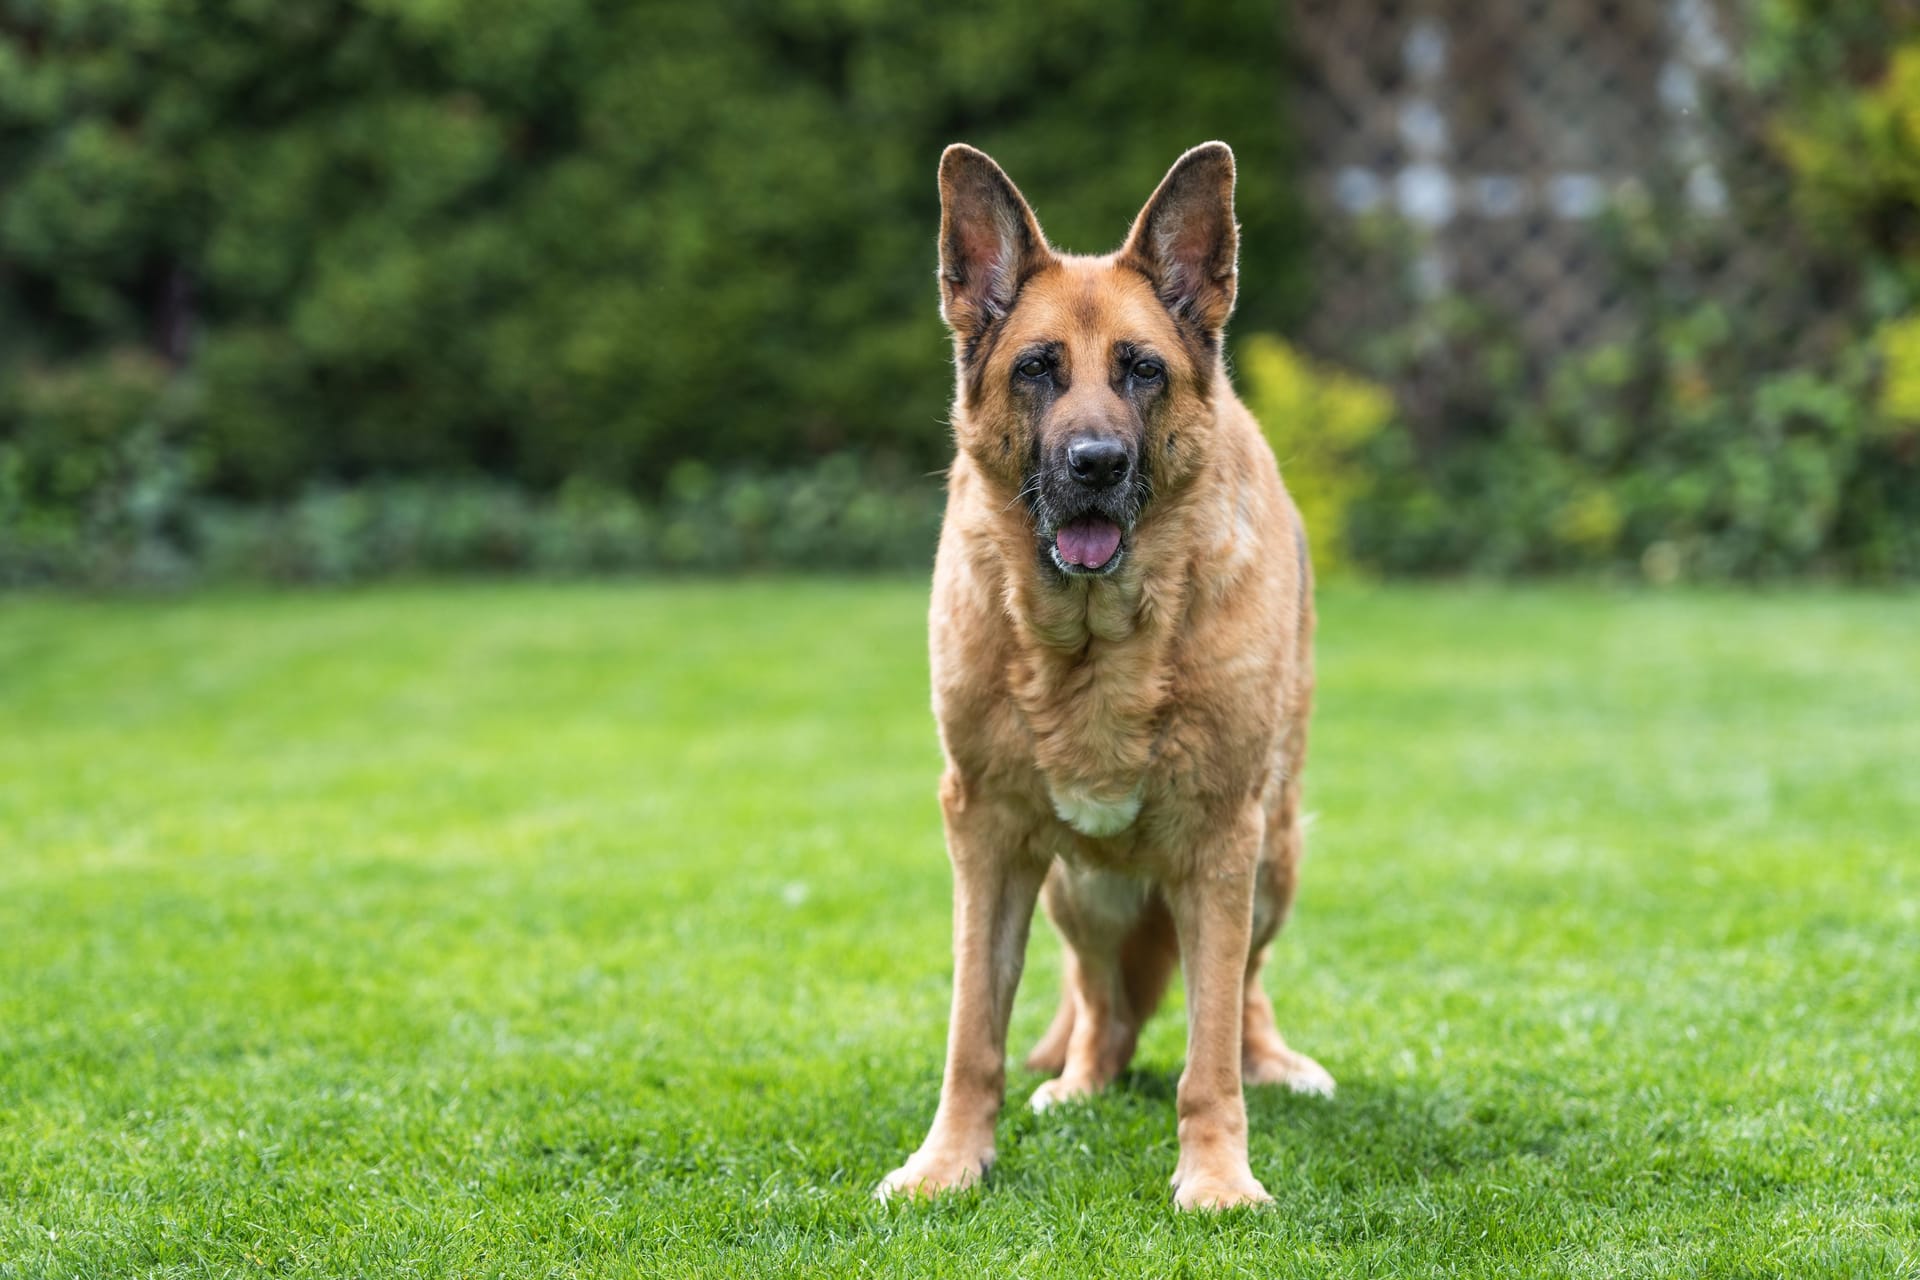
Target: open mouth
[1089,545]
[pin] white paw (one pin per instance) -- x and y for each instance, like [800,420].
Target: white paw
[1296,1071]
[1056,1092]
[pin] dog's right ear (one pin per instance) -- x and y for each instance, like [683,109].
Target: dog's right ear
[990,241]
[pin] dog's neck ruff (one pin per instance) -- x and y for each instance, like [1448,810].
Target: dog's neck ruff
[1091,672]
[1090,683]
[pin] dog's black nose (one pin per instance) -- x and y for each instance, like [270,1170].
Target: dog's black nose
[1099,462]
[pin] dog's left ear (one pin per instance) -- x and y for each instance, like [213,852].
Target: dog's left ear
[1185,239]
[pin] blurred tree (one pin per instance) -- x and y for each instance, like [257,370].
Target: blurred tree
[578,237]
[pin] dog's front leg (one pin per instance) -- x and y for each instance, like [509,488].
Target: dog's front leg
[1213,912]
[995,883]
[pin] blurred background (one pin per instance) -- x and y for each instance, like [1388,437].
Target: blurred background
[327,291]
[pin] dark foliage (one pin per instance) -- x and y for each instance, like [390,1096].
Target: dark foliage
[339,242]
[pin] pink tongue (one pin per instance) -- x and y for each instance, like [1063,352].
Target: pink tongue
[1088,543]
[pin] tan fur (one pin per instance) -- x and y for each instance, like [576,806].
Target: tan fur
[1183,678]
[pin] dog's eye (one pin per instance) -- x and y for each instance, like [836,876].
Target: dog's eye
[1032,367]
[1148,371]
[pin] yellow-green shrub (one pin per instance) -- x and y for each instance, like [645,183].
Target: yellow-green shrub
[1857,152]
[1899,350]
[1319,420]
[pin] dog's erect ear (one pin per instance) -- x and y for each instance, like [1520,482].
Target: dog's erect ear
[1185,239]
[989,240]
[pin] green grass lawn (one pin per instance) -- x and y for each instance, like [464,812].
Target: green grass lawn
[536,930]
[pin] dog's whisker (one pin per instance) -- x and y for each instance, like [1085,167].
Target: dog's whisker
[1031,489]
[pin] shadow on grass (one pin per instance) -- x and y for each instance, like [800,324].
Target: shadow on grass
[788,1139]
[1403,1133]
[1383,1133]
[788,1169]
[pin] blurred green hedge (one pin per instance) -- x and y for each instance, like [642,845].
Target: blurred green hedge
[288,245]
[331,290]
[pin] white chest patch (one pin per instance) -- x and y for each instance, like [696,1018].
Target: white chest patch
[1091,816]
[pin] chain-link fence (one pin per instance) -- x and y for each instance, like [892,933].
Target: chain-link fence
[1499,154]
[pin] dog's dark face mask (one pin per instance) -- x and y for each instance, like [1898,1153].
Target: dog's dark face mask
[1089,474]
[1085,383]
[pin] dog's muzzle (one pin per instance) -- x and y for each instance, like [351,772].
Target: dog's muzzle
[1085,505]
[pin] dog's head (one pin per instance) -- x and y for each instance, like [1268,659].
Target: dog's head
[1086,384]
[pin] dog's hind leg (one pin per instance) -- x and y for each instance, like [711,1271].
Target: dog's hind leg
[1101,1040]
[1147,959]
[1264,1056]
[1049,1052]
[1146,962]
[1119,953]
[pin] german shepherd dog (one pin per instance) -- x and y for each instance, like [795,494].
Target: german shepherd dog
[1121,626]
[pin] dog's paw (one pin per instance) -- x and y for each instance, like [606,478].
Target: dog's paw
[1058,1092]
[1296,1071]
[929,1174]
[1212,1190]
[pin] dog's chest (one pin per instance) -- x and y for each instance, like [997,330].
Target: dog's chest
[1093,731]
[1089,677]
